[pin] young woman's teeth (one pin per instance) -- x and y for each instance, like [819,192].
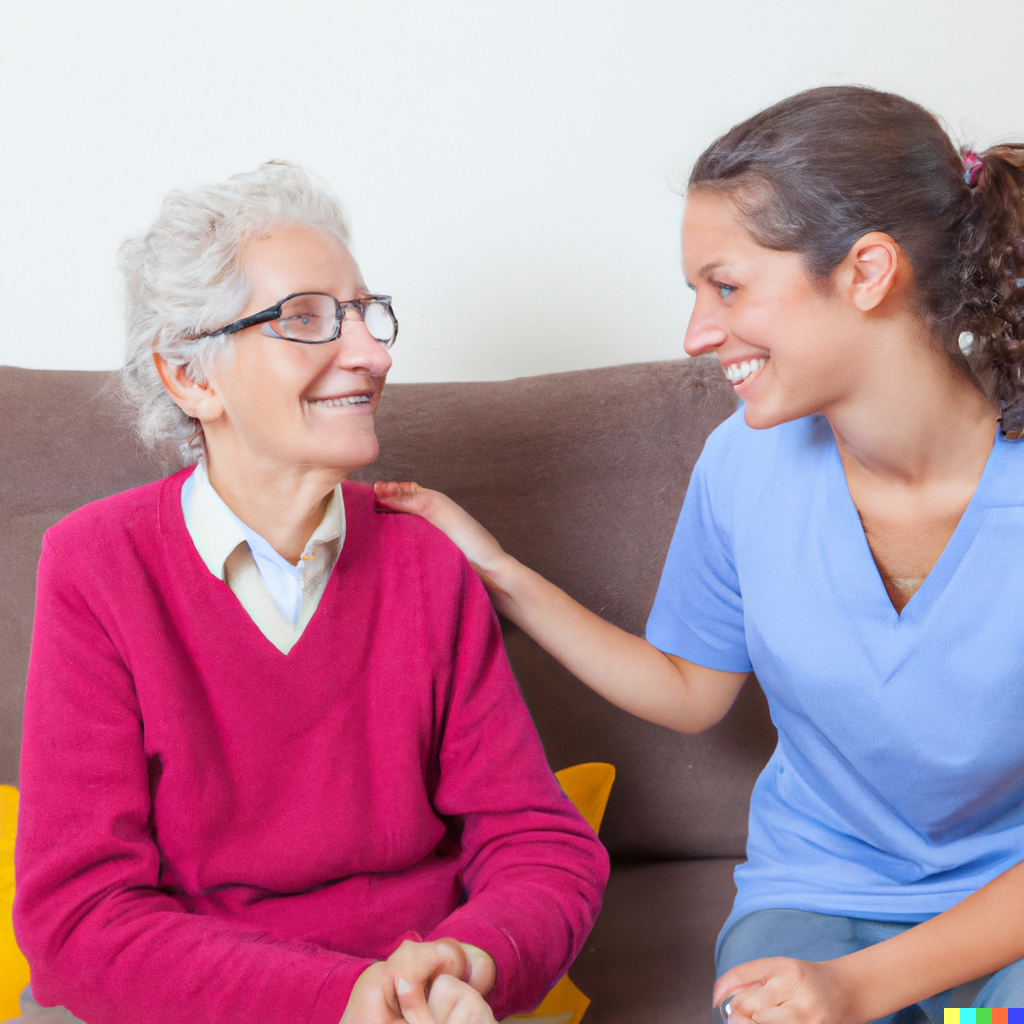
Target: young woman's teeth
[737,372]
[347,400]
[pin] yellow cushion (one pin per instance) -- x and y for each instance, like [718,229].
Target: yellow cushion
[13,966]
[564,1004]
[587,786]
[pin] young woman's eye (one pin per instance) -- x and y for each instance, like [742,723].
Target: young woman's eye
[725,290]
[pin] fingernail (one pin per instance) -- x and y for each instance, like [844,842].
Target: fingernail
[403,987]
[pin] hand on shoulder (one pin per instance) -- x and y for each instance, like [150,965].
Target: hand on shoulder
[484,553]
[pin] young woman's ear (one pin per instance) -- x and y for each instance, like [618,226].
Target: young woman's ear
[873,268]
[200,401]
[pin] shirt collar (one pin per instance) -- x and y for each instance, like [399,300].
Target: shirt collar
[217,531]
[332,526]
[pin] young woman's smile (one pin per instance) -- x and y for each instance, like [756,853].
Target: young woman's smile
[778,333]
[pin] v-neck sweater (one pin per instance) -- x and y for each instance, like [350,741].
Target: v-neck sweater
[897,786]
[212,830]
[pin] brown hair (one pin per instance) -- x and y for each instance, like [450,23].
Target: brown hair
[814,173]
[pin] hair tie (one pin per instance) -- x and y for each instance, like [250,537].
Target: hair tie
[973,166]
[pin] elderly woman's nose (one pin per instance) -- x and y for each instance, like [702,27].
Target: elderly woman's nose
[359,349]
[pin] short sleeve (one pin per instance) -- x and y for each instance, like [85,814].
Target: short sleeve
[698,609]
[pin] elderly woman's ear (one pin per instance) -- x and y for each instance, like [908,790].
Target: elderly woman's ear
[196,399]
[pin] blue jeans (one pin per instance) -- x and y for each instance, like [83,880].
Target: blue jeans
[806,936]
[33,1013]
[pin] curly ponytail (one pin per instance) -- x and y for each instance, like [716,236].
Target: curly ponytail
[992,275]
[814,173]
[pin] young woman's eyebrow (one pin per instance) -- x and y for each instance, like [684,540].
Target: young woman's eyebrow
[705,273]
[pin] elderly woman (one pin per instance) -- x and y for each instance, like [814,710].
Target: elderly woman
[276,767]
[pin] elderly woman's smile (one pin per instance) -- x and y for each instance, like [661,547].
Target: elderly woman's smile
[291,402]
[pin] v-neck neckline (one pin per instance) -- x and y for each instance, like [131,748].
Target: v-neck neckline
[952,554]
[200,568]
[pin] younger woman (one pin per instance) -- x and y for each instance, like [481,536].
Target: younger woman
[853,536]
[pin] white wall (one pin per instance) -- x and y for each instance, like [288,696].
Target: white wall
[509,166]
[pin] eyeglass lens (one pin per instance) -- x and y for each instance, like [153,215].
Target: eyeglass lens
[379,322]
[312,318]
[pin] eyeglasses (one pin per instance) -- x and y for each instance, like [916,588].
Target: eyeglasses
[314,318]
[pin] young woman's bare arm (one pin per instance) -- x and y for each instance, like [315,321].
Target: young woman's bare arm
[623,668]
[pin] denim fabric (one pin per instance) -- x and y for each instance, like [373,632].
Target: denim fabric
[33,1013]
[808,936]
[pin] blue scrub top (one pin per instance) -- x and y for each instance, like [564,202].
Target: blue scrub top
[897,786]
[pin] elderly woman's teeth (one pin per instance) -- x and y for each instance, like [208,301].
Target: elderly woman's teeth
[347,400]
[737,372]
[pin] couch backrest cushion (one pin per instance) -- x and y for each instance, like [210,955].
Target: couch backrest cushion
[581,475]
[63,442]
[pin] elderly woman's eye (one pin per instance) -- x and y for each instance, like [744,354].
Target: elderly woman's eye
[303,327]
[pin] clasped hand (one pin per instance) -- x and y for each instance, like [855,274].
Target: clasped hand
[779,990]
[441,982]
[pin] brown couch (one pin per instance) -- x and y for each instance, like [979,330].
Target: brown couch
[581,475]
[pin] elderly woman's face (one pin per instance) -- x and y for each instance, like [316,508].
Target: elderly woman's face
[289,403]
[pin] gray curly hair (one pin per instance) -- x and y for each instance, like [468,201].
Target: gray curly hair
[182,279]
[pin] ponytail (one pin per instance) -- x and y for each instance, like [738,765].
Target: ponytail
[992,275]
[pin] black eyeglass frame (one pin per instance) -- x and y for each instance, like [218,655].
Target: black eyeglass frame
[271,313]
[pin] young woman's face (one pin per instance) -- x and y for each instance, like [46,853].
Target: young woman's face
[786,345]
[295,404]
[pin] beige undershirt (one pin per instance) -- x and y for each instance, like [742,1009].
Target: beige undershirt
[221,543]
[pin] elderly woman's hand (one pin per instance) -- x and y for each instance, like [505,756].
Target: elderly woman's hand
[454,1002]
[484,553]
[395,991]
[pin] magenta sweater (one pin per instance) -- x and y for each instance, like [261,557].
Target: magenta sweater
[214,831]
